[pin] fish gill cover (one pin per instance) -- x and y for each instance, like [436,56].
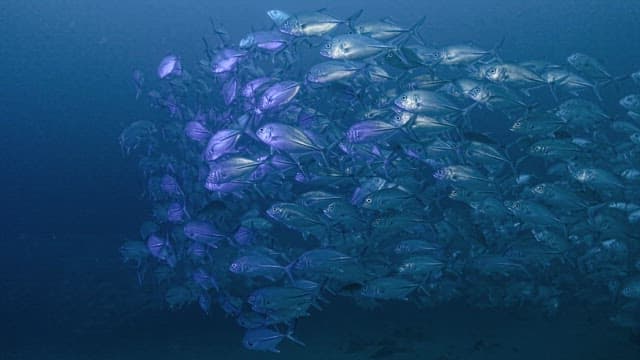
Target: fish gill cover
[391,170]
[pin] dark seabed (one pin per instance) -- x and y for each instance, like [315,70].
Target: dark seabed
[70,198]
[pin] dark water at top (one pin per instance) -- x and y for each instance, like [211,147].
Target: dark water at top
[69,198]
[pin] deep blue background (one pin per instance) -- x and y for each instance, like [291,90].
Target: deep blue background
[68,197]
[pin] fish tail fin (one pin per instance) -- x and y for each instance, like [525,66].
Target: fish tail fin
[287,270]
[414,31]
[612,80]
[554,92]
[423,282]
[290,328]
[351,19]
[495,51]
[520,161]
[464,112]
[596,89]
[591,210]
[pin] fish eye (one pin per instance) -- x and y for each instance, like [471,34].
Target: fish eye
[404,97]
[492,70]
[327,46]
[368,200]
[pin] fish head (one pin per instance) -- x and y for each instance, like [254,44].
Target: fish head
[169,65]
[278,16]
[255,299]
[330,210]
[370,290]
[493,73]
[292,26]
[539,189]
[438,55]
[630,102]
[456,194]
[516,126]
[514,207]
[335,49]
[402,118]
[315,75]
[368,202]
[408,101]
[575,58]
[538,149]
[636,77]
[275,212]
[247,42]
[441,174]
[631,291]
[476,94]
[236,267]
[265,134]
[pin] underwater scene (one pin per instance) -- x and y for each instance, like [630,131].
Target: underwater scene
[441,180]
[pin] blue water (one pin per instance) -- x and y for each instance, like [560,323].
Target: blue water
[69,199]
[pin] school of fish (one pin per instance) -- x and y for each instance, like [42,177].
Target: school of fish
[328,157]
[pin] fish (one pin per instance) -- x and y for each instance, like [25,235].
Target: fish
[313,23]
[321,156]
[264,339]
[353,47]
[278,16]
[424,101]
[286,138]
[588,65]
[389,288]
[169,65]
[258,266]
[331,71]
[277,95]
[386,29]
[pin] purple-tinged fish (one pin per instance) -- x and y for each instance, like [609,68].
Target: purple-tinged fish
[229,90]
[170,65]
[170,186]
[258,266]
[196,131]
[203,232]
[370,131]
[197,252]
[251,88]
[226,60]
[286,138]
[204,300]
[221,143]
[272,41]
[161,249]
[278,94]
[204,279]
[264,339]
[225,188]
[138,81]
[244,236]
[232,169]
[230,304]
